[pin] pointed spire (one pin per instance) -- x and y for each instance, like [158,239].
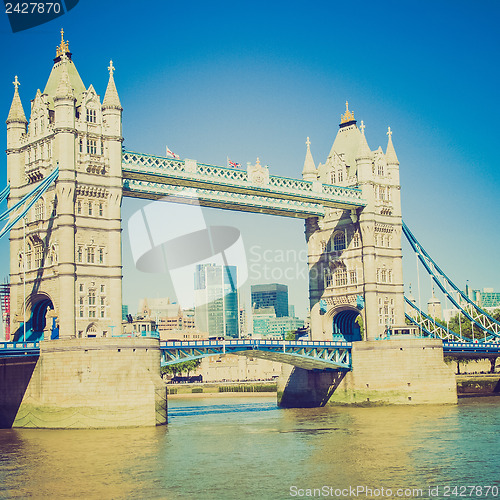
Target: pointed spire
[347,118]
[64,89]
[63,48]
[16,113]
[390,154]
[364,152]
[111,99]
[309,169]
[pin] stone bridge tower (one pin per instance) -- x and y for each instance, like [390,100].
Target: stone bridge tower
[355,261]
[66,257]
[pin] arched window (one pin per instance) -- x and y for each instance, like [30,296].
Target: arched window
[339,241]
[92,331]
[356,240]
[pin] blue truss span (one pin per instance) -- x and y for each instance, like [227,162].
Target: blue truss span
[430,327]
[310,355]
[481,319]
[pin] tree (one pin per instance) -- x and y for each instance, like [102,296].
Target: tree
[180,368]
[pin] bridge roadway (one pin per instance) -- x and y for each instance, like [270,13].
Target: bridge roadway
[310,355]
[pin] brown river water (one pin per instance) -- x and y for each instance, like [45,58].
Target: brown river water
[239,448]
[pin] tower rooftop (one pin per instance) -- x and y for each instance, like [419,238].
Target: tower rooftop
[57,72]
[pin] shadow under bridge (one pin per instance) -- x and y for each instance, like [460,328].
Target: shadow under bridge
[309,355]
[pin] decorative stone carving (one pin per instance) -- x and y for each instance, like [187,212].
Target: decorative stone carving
[257,174]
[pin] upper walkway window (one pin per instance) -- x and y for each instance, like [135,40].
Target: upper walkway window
[91,116]
[339,241]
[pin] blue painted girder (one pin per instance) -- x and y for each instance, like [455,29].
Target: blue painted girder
[17,349]
[471,349]
[310,355]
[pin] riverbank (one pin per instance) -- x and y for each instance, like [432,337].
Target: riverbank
[467,385]
[478,384]
[223,389]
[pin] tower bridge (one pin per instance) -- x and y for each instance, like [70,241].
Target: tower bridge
[68,174]
[67,254]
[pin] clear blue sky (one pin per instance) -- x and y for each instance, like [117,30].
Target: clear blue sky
[248,79]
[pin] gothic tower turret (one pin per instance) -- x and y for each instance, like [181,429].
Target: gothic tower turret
[309,172]
[360,263]
[71,255]
[16,129]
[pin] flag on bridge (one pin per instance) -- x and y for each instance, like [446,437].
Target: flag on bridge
[171,154]
[233,163]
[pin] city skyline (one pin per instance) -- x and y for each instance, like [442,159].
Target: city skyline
[260,87]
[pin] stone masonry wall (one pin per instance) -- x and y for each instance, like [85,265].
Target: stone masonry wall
[86,383]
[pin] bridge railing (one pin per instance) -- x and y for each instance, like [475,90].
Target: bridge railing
[19,345]
[235,177]
[472,346]
[253,342]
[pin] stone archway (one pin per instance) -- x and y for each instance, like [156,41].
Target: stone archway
[339,323]
[91,331]
[42,319]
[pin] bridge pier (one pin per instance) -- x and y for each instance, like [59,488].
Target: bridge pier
[395,371]
[91,383]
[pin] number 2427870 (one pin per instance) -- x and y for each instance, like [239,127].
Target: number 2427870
[33,8]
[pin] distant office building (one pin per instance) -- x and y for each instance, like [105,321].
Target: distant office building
[487,299]
[261,319]
[434,307]
[266,324]
[216,300]
[280,327]
[243,325]
[167,315]
[124,313]
[271,295]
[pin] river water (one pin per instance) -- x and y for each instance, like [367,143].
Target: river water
[239,448]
